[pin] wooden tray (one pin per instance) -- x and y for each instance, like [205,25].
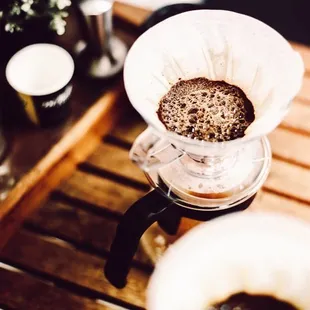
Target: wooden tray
[38,152]
[55,260]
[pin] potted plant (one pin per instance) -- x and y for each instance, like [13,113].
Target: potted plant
[24,22]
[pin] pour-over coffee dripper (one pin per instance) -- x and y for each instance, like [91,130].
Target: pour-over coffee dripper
[198,179]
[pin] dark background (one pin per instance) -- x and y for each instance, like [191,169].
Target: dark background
[290,17]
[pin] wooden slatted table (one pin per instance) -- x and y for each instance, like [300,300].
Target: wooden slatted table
[55,260]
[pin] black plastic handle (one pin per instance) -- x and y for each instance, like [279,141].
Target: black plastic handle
[140,216]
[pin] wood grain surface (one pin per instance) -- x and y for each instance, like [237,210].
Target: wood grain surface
[120,165]
[87,230]
[20,289]
[100,192]
[59,163]
[79,221]
[55,260]
[131,14]
[84,270]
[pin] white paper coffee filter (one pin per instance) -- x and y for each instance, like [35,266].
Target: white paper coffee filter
[218,45]
[255,253]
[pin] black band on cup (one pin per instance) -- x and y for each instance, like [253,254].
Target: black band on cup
[49,109]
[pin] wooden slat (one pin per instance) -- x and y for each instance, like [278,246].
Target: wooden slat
[298,117]
[304,52]
[273,203]
[285,178]
[47,176]
[19,290]
[77,226]
[289,180]
[57,260]
[290,146]
[132,14]
[34,199]
[114,159]
[92,117]
[100,192]
[129,128]
[304,93]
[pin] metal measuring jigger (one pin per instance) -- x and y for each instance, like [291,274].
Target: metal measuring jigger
[105,53]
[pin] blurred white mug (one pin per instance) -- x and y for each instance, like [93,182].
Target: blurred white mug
[252,253]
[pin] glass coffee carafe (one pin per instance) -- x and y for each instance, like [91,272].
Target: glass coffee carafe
[196,180]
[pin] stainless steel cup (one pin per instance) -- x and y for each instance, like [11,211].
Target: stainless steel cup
[106,52]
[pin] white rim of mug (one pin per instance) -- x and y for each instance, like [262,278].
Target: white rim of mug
[59,84]
[96,7]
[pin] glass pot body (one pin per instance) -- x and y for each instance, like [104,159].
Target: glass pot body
[200,175]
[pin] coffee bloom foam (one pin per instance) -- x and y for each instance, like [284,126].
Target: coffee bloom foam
[221,46]
[255,253]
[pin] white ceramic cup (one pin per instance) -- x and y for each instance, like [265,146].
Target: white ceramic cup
[254,253]
[41,76]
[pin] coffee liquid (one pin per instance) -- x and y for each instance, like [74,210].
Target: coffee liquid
[207,110]
[244,301]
